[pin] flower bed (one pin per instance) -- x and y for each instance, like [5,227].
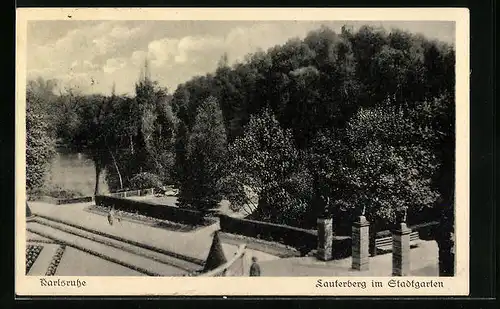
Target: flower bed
[32,253]
[56,259]
[75,200]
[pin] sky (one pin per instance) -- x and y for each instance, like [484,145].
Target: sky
[93,55]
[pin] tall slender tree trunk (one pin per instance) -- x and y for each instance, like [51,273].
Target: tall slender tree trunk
[98,170]
[116,167]
[131,140]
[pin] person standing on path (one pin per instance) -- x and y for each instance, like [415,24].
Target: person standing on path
[254,268]
[111,216]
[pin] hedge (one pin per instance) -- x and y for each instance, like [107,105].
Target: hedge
[169,213]
[301,239]
[84,199]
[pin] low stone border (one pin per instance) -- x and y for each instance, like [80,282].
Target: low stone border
[131,242]
[43,241]
[56,259]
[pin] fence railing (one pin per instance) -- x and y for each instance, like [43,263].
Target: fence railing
[130,193]
[235,267]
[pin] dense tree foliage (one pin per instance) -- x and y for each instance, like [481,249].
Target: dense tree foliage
[266,161]
[349,122]
[370,114]
[40,144]
[206,150]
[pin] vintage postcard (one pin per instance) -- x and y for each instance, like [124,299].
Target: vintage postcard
[222,151]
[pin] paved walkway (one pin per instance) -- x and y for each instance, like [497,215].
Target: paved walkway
[197,244]
[194,243]
[423,261]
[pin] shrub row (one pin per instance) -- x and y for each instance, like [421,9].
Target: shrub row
[164,212]
[84,199]
[301,239]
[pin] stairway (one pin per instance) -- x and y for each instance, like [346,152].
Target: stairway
[138,257]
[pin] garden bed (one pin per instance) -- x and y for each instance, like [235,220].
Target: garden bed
[75,200]
[142,219]
[32,253]
[148,209]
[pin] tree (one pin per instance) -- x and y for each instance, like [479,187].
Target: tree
[205,152]
[265,160]
[216,255]
[40,144]
[391,165]
[157,127]
[92,135]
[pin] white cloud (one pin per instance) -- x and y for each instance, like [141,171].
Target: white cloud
[79,54]
[161,51]
[114,64]
[114,51]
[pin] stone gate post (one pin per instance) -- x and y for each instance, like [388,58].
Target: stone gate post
[360,244]
[401,250]
[325,239]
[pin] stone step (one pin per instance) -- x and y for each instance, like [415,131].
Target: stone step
[133,261]
[122,245]
[139,240]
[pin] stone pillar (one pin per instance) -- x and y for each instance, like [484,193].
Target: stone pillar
[325,238]
[360,244]
[401,250]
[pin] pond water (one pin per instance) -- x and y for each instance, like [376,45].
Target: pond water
[74,171]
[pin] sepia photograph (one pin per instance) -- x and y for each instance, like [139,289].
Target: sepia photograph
[238,147]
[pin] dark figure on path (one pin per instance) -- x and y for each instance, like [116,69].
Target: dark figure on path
[111,216]
[255,268]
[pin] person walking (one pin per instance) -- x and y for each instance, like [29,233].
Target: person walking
[254,268]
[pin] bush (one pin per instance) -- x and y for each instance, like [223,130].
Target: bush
[145,181]
[55,192]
